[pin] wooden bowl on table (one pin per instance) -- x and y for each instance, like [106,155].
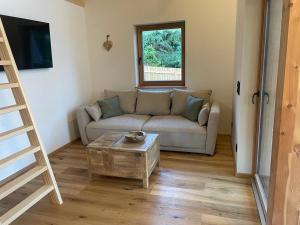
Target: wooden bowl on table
[135,136]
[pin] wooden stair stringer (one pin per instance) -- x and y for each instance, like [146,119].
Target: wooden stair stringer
[30,129]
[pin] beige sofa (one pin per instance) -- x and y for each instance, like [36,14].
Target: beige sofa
[157,112]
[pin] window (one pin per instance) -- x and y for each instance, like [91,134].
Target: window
[161,54]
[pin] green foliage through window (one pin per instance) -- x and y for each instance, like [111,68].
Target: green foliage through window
[162,48]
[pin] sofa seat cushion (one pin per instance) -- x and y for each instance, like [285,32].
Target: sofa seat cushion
[126,122]
[177,131]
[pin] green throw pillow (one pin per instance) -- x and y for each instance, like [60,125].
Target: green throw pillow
[110,107]
[192,108]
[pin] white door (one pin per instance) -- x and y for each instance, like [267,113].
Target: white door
[267,96]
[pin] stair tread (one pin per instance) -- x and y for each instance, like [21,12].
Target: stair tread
[9,85]
[19,155]
[11,108]
[18,182]
[23,206]
[15,132]
[5,62]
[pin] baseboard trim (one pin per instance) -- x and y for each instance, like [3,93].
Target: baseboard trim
[62,147]
[240,175]
[244,175]
[30,166]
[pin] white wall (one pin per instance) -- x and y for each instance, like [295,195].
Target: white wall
[248,35]
[210,39]
[55,93]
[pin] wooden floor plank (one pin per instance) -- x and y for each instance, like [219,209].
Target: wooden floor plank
[187,189]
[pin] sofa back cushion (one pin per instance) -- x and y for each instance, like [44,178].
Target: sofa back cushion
[127,99]
[153,103]
[179,98]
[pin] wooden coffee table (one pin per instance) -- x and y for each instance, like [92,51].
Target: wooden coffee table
[110,155]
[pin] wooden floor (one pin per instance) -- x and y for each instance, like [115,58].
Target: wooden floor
[187,189]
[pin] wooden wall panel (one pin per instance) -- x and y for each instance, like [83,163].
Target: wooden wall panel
[284,189]
[291,209]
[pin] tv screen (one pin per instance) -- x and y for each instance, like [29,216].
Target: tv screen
[30,42]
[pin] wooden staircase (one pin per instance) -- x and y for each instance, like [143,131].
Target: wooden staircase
[43,167]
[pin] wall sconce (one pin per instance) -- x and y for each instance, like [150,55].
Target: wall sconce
[108,44]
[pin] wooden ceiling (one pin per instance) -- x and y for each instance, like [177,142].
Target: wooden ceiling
[77,2]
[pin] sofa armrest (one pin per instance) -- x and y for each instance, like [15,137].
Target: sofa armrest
[212,128]
[83,119]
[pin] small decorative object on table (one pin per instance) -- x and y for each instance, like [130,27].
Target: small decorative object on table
[135,136]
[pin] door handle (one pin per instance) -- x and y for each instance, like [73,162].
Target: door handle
[266,94]
[254,95]
[140,60]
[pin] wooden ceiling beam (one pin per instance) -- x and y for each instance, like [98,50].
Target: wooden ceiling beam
[77,2]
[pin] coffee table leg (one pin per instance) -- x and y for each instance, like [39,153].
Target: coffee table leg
[90,174]
[146,182]
[146,176]
[90,168]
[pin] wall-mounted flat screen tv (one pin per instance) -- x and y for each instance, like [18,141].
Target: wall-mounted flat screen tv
[30,42]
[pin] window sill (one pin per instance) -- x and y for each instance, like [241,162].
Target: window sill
[160,87]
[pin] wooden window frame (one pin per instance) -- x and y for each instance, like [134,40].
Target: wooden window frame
[162,26]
